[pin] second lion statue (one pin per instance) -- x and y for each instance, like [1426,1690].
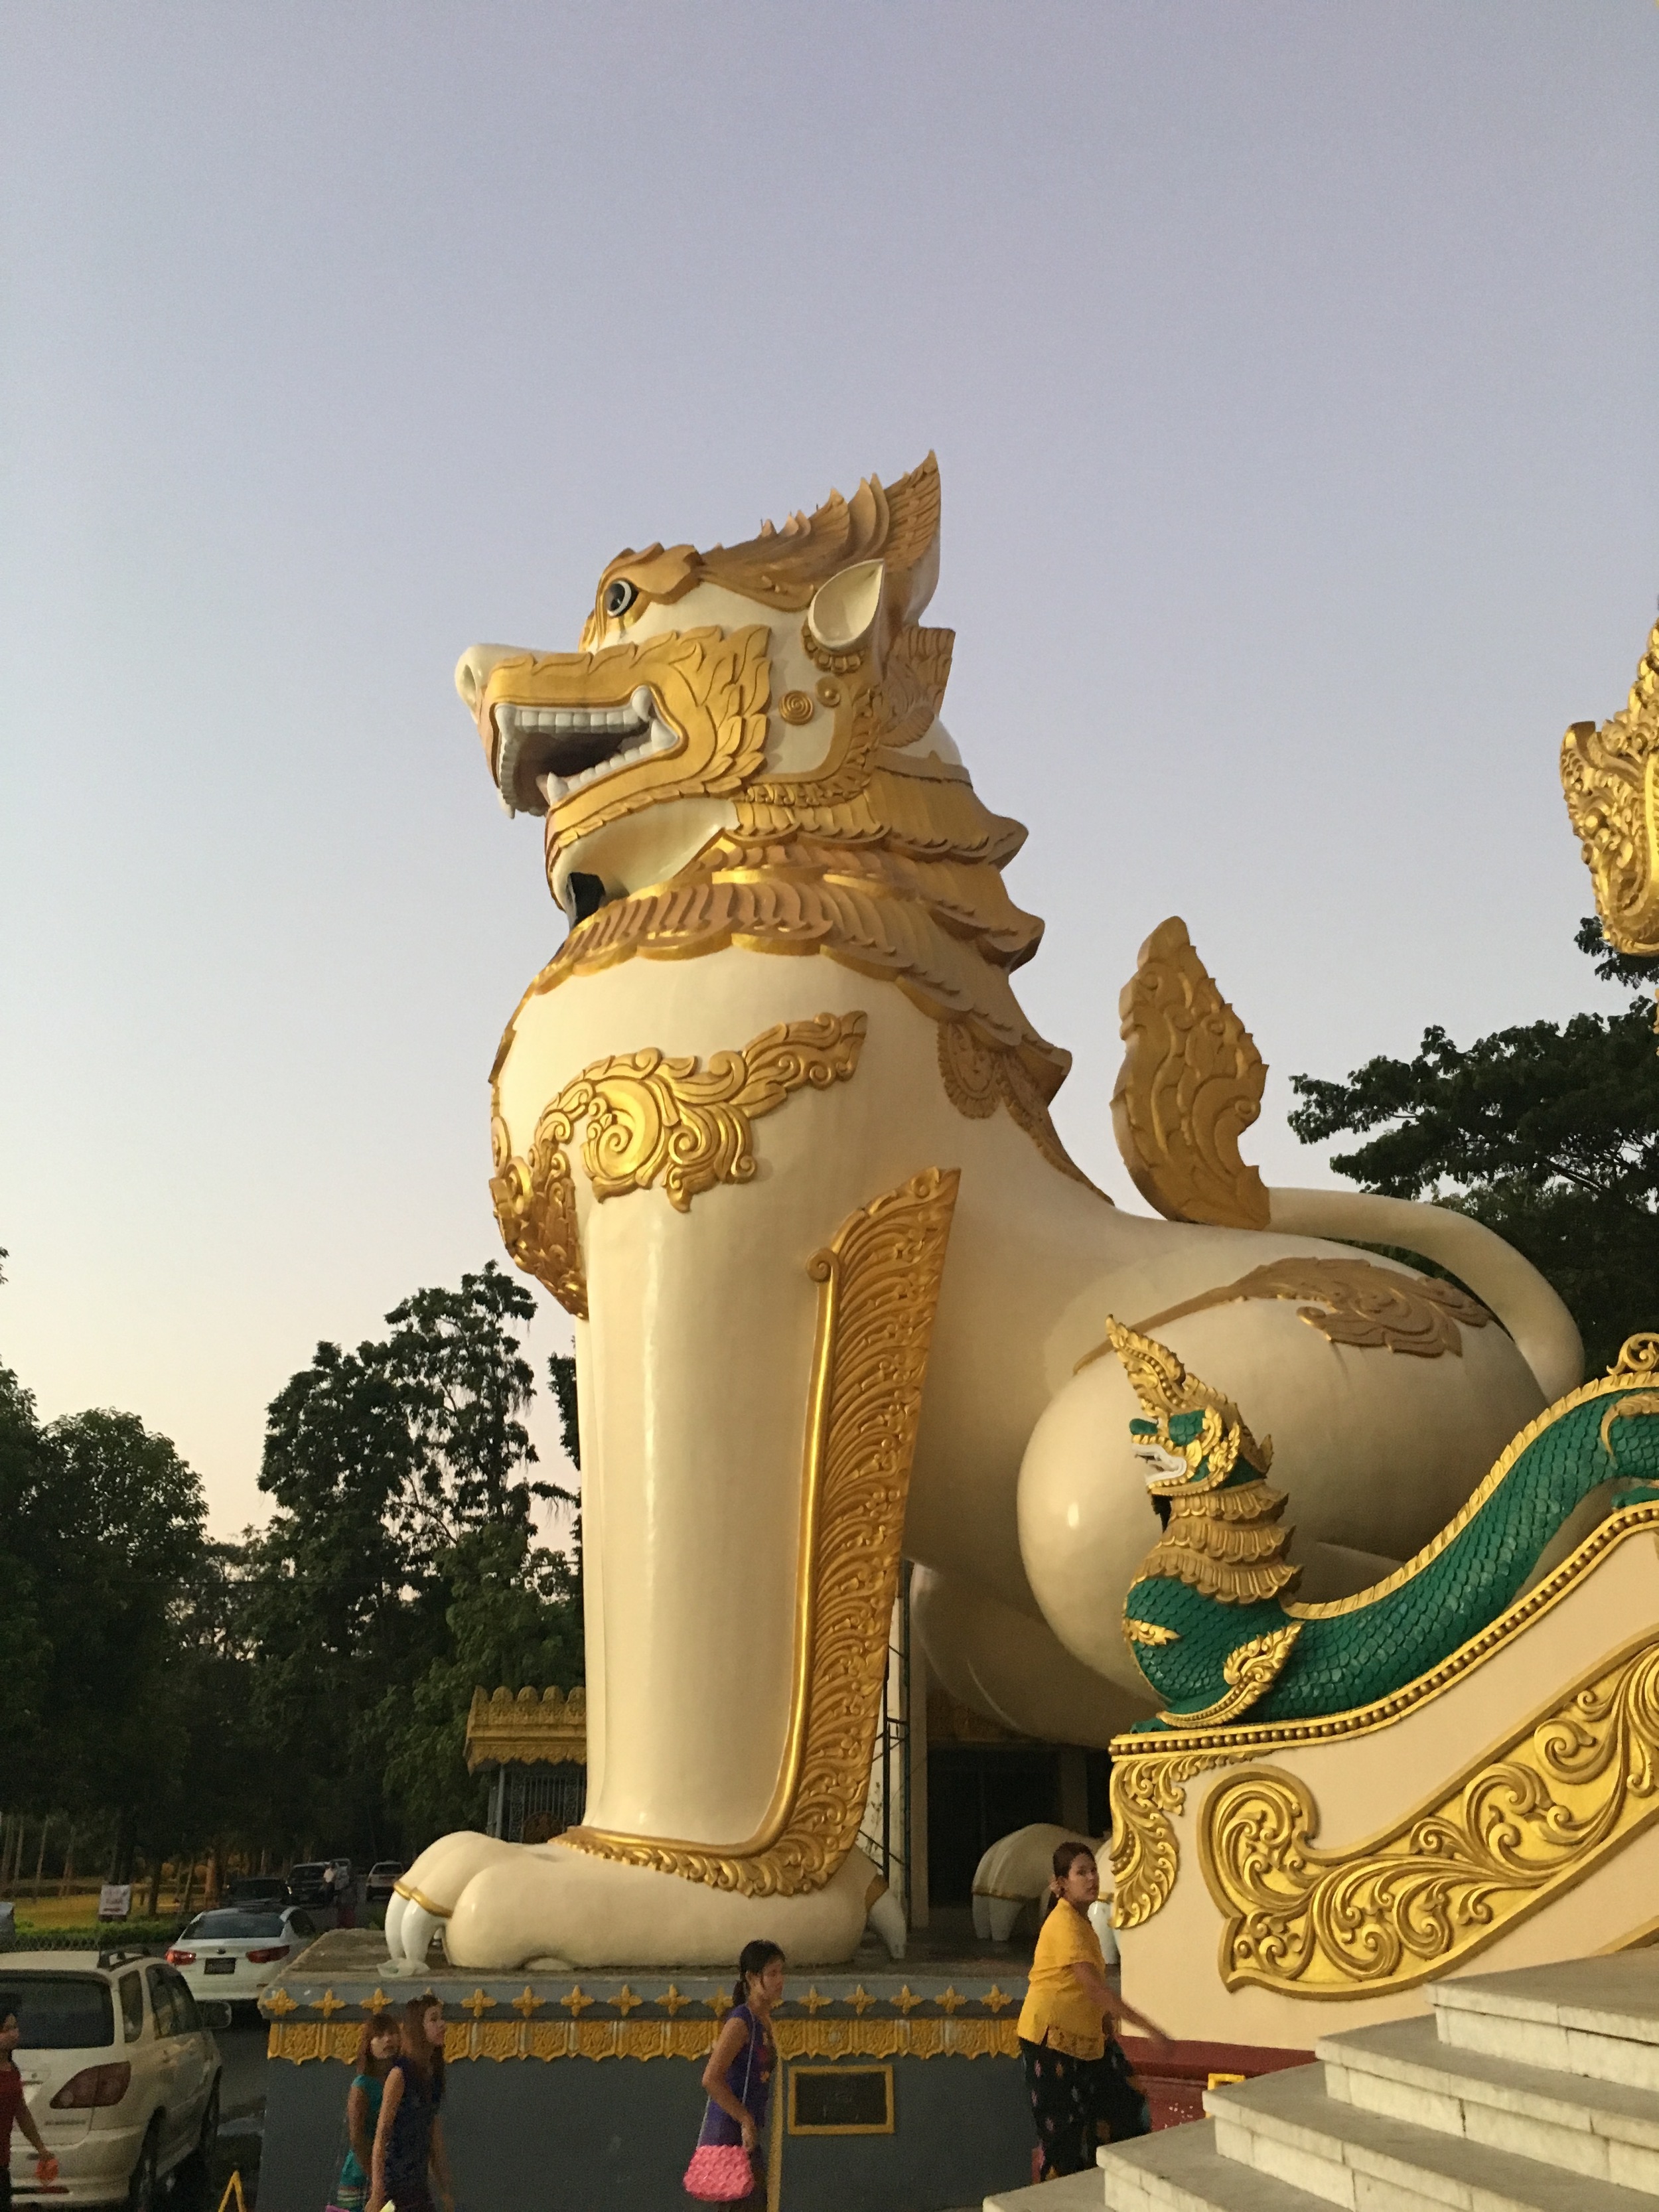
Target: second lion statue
[774,1128]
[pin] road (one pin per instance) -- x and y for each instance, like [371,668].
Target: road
[242,2083]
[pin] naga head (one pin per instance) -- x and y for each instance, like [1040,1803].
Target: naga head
[1189,1438]
[1222,1547]
[772,675]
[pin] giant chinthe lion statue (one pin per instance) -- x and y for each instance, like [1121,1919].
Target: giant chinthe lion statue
[772,1127]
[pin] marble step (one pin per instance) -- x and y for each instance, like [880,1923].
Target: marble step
[1284,2125]
[1594,2016]
[1403,2070]
[1181,2169]
[1073,2192]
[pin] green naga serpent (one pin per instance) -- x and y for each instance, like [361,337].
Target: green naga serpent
[1209,1619]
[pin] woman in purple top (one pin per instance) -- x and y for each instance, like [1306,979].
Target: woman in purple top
[739,2074]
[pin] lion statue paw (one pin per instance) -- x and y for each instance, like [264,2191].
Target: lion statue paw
[500,1905]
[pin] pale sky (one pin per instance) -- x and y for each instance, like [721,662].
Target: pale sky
[1292,373]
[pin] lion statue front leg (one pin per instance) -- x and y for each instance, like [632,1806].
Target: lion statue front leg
[746,1474]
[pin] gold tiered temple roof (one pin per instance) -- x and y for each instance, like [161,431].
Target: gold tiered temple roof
[535,1728]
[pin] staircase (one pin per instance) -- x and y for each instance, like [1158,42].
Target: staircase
[1536,2091]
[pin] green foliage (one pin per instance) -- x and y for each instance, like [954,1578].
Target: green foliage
[511,1621]
[401,1570]
[1547,1132]
[25,1649]
[307,1688]
[105,1530]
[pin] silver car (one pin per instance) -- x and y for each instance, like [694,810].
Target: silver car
[119,2074]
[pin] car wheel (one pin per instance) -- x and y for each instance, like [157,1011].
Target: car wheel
[207,2141]
[142,2187]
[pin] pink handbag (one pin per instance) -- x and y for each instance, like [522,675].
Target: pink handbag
[722,2173]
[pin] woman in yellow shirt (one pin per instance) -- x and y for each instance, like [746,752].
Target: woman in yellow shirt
[1082,2090]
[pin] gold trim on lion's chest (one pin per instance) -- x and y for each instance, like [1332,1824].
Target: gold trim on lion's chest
[649,1116]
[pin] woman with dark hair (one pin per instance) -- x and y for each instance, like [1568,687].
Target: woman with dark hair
[408,2142]
[1082,2091]
[377,2047]
[738,2080]
[12,2107]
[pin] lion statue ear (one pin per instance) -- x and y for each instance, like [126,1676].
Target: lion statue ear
[844,612]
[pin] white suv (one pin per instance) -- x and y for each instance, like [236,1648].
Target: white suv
[119,2074]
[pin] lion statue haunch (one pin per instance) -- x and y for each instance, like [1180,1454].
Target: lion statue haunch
[774,1128]
[1017,1871]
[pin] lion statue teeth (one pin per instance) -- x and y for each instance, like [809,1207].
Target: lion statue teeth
[775,1129]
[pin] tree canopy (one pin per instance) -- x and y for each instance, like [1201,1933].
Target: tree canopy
[1547,1132]
[308,1687]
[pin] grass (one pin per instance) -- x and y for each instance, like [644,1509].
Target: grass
[46,1916]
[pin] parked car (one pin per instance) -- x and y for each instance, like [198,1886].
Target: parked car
[305,1885]
[256,1891]
[383,1881]
[229,1954]
[119,2074]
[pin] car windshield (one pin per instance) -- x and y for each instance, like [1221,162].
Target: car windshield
[307,1873]
[236,1925]
[59,2012]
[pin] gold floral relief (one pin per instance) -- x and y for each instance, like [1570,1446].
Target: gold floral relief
[978,1077]
[1513,1831]
[1355,1302]
[1249,1673]
[535,1203]
[1146,1798]
[878,1283]
[1610,778]
[650,1117]
[1190,1084]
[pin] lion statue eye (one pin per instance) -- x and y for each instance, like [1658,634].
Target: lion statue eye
[619,596]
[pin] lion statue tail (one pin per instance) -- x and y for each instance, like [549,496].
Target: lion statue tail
[1545,1333]
[1191,1083]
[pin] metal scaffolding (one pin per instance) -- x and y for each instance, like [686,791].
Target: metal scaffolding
[885,1836]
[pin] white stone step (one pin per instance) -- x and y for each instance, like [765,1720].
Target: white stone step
[1072,2193]
[1181,2169]
[1594,2016]
[1284,2124]
[1403,2070]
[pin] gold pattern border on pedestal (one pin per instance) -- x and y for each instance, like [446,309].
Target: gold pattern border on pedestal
[649,1116]
[1147,1795]
[879,1286]
[499,2040]
[1520,1825]
[1148,1770]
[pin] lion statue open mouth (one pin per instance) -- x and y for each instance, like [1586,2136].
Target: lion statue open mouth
[774,1128]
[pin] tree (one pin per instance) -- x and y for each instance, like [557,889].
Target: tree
[401,1554]
[25,1650]
[1547,1132]
[513,1620]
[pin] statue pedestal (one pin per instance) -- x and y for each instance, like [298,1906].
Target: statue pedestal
[899,2089]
